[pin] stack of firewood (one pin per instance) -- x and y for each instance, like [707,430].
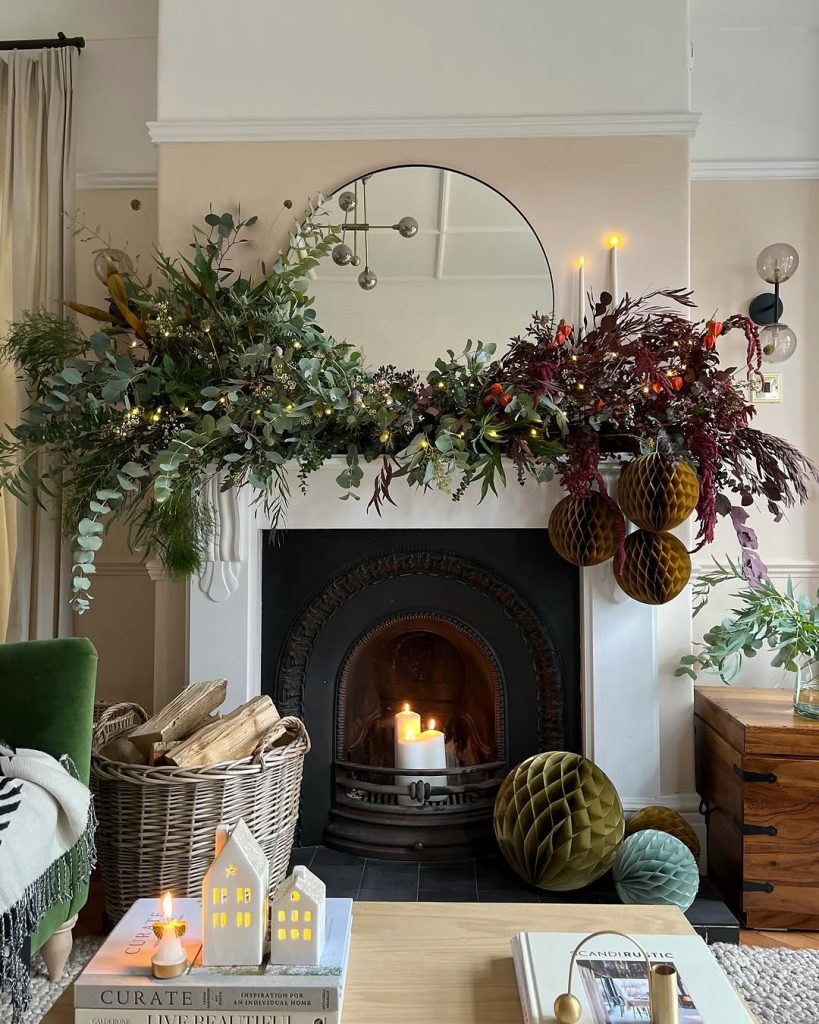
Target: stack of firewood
[191,733]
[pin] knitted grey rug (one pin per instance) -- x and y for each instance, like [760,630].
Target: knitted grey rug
[44,992]
[780,985]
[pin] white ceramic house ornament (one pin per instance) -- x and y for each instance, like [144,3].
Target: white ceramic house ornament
[234,900]
[297,922]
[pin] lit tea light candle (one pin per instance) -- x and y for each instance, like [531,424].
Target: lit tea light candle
[614,245]
[169,960]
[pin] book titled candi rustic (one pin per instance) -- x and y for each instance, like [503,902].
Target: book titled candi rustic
[611,981]
[117,986]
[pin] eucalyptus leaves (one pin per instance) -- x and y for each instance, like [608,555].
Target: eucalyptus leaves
[208,371]
[786,624]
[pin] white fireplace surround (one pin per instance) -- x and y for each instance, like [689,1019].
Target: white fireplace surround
[624,724]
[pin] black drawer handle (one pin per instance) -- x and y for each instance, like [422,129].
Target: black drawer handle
[747,776]
[757,887]
[754,830]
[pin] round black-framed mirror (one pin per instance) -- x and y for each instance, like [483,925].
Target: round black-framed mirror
[429,257]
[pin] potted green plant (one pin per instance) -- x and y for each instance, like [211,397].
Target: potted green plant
[783,622]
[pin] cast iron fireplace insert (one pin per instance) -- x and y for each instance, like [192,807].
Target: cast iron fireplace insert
[477,630]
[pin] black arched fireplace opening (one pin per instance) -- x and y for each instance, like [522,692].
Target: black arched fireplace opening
[476,630]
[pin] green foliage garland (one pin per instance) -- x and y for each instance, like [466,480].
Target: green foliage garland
[207,371]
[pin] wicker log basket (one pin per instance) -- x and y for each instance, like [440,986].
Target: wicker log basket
[156,824]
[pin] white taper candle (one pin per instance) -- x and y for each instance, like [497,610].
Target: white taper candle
[614,244]
[581,297]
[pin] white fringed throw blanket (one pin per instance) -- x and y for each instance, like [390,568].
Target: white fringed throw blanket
[46,852]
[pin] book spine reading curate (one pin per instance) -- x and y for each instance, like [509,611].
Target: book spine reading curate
[191,998]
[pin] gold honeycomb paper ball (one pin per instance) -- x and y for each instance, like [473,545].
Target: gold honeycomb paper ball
[664,819]
[584,530]
[655,569]
[658,491]
[558,821]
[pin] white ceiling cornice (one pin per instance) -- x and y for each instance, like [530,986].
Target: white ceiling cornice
[753,170]
[527,126]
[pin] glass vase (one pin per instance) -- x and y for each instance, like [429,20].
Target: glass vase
[806,691]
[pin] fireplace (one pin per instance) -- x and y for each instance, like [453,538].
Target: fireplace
[634,716]
[477,631]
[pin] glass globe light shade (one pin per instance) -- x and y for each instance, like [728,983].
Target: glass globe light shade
[778,343]
[342,254]
[347,201]
[407,227]
[367,279]
[106,258]
[777,263]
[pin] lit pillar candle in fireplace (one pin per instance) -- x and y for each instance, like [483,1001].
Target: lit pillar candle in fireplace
[407,726]
[417,751]
[434,746]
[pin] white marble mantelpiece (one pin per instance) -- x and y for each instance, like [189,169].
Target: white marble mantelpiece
[622,714]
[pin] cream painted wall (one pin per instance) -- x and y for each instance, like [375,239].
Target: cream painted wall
[120,623]
[730,223]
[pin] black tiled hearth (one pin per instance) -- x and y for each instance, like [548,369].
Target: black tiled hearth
[482,879]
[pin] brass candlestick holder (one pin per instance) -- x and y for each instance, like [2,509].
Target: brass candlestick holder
[662,988]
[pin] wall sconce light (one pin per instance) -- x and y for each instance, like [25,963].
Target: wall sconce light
[775,264]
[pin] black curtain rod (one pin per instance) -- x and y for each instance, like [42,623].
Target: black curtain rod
[43,44]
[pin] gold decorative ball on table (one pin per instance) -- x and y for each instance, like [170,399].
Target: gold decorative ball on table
[658,491]
[558,821]
[664,819]
[584,530]
[655,569]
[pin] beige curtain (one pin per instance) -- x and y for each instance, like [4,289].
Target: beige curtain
[36,270]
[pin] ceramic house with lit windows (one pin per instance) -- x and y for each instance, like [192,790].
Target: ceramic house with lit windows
[234,900]
[297,922]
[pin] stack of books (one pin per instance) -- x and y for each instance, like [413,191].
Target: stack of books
[117,986]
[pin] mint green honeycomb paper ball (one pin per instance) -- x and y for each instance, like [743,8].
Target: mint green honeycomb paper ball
[655,867]
[558,821]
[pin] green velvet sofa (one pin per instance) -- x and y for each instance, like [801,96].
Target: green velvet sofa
[47,703]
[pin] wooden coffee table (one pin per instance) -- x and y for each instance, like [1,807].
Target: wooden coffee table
[452,962]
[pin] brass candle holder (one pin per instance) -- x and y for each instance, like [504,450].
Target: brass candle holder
[662,988]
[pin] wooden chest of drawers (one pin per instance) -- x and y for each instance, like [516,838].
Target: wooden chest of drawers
[758,775]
